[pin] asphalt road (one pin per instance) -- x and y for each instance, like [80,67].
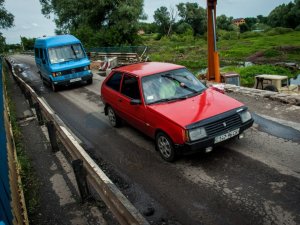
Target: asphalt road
[255,180]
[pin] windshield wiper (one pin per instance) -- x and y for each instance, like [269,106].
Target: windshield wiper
[169,100]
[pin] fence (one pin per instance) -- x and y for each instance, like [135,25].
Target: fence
[88,174]
[12,204]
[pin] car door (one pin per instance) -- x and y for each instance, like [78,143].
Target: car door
[111,91]
[134,113]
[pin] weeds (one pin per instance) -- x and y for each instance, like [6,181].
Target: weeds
[30,183]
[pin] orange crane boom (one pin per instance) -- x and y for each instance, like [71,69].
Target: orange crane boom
[213,72]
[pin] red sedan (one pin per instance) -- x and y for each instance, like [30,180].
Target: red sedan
[168,103]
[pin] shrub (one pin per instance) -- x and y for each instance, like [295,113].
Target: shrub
[279,30]
[251,34]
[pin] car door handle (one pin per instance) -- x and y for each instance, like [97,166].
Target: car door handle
[120,100]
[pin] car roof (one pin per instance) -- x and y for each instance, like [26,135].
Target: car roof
[148,68]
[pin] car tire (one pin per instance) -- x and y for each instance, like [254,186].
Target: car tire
[113,118]
[271,88]
[165,146]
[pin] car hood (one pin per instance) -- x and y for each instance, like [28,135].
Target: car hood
[194,109]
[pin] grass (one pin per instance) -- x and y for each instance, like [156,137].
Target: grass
[30,183]
[276,45]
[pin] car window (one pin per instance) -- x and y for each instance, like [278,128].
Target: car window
[130,87]
[170,85]
[114,81]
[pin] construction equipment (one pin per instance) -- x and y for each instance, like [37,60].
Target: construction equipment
[213,72]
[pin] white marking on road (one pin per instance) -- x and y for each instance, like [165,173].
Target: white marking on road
[62,190]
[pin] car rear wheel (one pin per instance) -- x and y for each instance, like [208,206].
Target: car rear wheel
[165,147]
[114,120]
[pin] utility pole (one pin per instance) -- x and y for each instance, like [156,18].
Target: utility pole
[213,73]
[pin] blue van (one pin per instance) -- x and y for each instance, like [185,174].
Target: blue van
[61,60]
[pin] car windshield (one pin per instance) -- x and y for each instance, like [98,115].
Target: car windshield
[170,86]
[65,53]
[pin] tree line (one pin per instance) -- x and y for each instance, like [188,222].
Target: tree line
[114,23]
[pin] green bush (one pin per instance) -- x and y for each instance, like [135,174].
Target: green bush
[251,34]
[279,30]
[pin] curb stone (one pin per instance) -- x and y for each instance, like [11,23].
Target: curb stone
[292,99]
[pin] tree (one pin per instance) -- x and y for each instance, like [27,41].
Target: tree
[251,21]
[285,15]
[6,21]
[244,27]
[111,22]
[194,15]
[162,19]
[262,19]
[6,18]
[27,43]
[225,23]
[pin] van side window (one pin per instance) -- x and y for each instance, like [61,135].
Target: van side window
[45,54]
[41,53]
[37,53]
[115,81]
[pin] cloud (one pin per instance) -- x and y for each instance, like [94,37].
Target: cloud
[35,24]
[25,27]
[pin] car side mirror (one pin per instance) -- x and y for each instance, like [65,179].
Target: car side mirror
[135,102]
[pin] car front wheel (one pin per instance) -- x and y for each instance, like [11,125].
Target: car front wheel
[165,147]
[114,120]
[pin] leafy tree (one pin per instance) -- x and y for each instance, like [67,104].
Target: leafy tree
[194,15]
[244,27]
[6,18]
[112,22]
[262,19]
[27,43]
[225,23]
[6,21]
[285,15]
[251,21]
[162,18]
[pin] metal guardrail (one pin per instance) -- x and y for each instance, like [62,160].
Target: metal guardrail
[87,172]
[12,202]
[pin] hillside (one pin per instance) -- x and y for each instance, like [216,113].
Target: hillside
[263,48]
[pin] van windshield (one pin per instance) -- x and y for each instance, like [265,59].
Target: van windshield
[65,53]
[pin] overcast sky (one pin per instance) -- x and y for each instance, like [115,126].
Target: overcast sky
[29,22]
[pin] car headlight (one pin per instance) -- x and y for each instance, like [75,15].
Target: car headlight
[86,68]
[197,133]
[245,116]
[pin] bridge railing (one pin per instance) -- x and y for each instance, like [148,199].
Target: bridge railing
[88,174]
[12,204]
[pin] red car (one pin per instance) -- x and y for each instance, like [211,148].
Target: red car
[166,102]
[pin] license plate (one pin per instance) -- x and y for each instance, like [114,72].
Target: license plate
[226,136]
[75,79]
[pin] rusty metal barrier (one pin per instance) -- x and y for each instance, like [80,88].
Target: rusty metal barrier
[15,199]
[119,205]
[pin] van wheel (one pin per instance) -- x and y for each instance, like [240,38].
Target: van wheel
[54,87]
[165,146]
[89,81]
